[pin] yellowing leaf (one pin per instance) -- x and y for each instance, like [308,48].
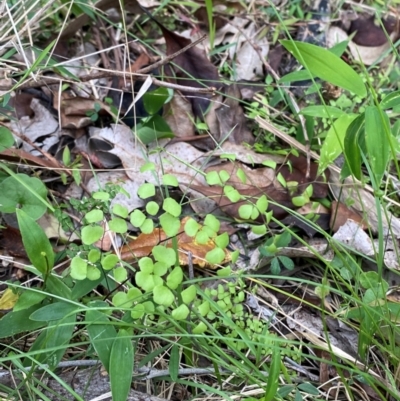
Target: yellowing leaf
[8,299]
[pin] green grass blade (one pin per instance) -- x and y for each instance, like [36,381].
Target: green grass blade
[36,243]
[101,335]
[273,375]
[121,366]
[324,64]
[378,149]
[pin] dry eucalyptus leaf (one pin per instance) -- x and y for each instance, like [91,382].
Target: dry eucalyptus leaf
[249,64]
[245,154]
[340,214]
[259,177]
[144,243]
[42,124]
[366,54]
[363,203]
[179,116]
[352,235]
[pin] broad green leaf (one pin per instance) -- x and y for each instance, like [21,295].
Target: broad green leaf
[304,75]
[102,335]
[84,287]
[378,148]
[245,211]
[56,286]
[391,100]
[259,230]
[78,268]
[121,366]
[137,218]
[109,261]
[171,180]
[152,209]
[91,234]
[333,143]
[147,227]
[175,278]
[120,211]
[17,322]
[58,334]
[212,222]
[154,100]
[325,65]
[147,190]
[273,374]
[160,268]
[137,311]
[28,298]
[163,295]
[155,128]
[120,274]
[174,358]
[55,311]
[232,194]
[351,146]
[148,135]
[146,281]
[296,76]
[286,262]
[93,273]
[308,388]
[170,224]
[94,216]
[36,244]
[322,111]
[26,193]
[213,178]
[120,299]
[200,328]
[164,254]
[215,256]
[172,207]
[181,312]
[222,240]
[6,139]
[189,294]
[118,225]
[191,227]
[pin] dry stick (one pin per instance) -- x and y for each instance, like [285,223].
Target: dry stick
[290,94]
[107,74]
[49,157]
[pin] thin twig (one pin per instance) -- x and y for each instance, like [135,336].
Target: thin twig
[50,158]
[139,75]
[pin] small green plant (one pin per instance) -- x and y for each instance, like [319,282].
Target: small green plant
[154,127]
[94,114]
[271,248]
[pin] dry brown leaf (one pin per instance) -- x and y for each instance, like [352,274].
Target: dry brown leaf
[274,191]
[42,124]
[231,118]
[368,55]
[341,213]
[258,178]
[191,68]
[369,34]
[179,116]
[281,198]
[20,156]
[144,243]
[11,242]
